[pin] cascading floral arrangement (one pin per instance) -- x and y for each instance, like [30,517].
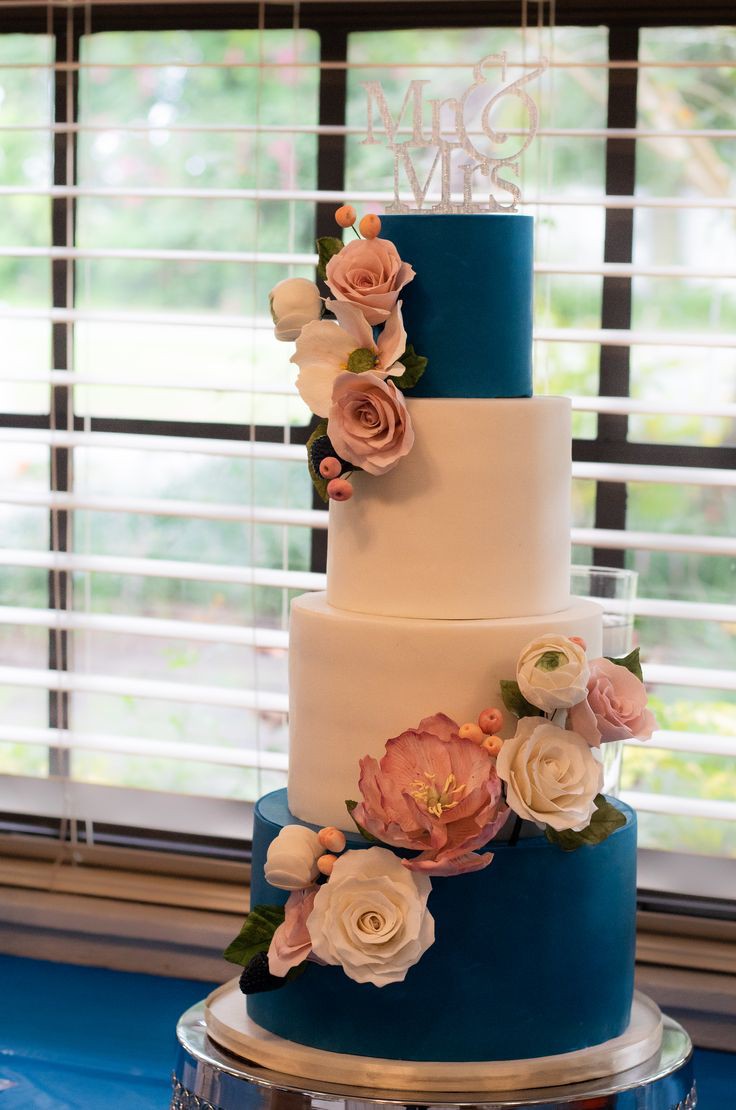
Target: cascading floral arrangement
[352,353]
[440,793]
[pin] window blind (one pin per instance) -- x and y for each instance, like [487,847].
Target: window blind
[158,180]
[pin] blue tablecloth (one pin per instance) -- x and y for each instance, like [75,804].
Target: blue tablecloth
[82,1038]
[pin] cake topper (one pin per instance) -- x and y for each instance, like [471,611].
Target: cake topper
[449,134]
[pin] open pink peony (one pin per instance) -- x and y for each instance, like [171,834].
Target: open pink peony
[435,793]
[369,274]
[615,708]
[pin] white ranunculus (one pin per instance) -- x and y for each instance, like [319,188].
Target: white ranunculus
[553,673]
[371,918]
[291,860]
[295,302]
[551,775]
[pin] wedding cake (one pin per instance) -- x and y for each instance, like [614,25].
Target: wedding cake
[443,882]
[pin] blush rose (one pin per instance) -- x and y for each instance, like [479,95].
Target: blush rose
[369,423]
[615,708]
[369,274]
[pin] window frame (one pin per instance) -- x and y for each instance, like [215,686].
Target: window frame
[334,22]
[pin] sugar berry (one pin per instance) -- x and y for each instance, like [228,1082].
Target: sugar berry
[339,490]
[256,977]
[330,467]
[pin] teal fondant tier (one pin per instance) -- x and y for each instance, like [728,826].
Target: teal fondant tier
[533,956]
[469,308]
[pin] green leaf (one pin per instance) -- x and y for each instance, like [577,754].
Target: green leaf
[631,662]
[350,805]
[515,701]
[319,483]
[361,360]
[415,366]
[255,936]
[327,247]
[605,820]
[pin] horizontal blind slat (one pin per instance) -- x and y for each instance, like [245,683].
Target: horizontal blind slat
[266,128]
[609,337]
[127,686]
[622,540]
[669,674]
[680,806]
[164,568]
[178,751]
[140,254]
[201,510]
[130,441]
[660,475]
[334,196]
[691,743]
[72,621]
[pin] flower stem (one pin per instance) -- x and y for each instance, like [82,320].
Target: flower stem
[515,832]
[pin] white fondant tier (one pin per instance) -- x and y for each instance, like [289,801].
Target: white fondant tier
[474,522]
[356,680]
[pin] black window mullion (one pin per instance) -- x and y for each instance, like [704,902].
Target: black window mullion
[66,88]
[615,362]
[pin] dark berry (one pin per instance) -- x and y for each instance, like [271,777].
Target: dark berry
[321,449]
[256,977]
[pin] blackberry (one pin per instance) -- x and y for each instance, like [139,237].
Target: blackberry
[256,977]
[321,449]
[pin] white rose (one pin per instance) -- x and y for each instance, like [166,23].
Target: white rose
[295,302]
[371,918]
[551,775]
[291,859]
[553,673]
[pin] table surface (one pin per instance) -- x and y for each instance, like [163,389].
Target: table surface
[82,1038]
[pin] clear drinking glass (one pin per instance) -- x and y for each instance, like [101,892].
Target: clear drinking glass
[615,591]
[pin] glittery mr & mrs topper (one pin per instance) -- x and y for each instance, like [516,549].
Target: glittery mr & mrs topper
[448,133]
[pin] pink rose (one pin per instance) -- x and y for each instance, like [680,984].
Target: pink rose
[291,943]
[369,424]
[369,274]
[615,708]
[436,793]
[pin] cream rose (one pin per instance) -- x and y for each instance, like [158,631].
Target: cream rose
[369,423]
[295,302]
[616,706]
[553,673]
[369,274]
[291,859]
[551,775]
[371,917]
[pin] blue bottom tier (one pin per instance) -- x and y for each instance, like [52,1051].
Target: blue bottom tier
[533,956]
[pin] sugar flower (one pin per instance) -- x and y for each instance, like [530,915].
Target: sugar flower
[291,943]
[435,793]
[551,775]
[295,302]
[369,274]
[615,708]
[291,859]
[552,672]
[371,917]
[369,423]
[325,349]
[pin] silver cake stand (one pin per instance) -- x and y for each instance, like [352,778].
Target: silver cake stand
[209,1078]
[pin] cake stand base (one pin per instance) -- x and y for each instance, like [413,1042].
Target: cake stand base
[229,1026]
[209,1077]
